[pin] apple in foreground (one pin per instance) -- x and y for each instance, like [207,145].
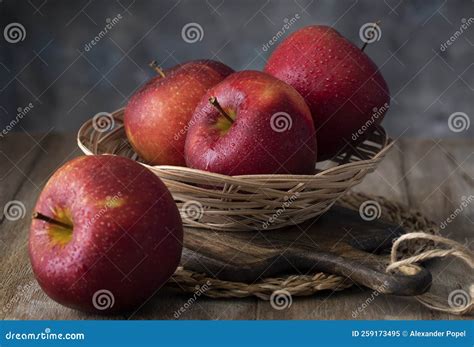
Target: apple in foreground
[252,123]
[105,236]
[156,117]
[340,83]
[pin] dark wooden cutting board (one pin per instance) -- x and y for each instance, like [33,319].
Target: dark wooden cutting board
[338,242]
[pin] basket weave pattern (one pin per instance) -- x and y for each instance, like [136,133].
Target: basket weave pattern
[250,202]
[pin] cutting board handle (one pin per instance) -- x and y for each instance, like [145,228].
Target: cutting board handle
[367,269]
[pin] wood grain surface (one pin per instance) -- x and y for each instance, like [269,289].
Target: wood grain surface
[431,175]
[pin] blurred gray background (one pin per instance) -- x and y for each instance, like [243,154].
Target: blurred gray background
[51,72]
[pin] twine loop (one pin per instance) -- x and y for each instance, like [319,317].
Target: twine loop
[438,247]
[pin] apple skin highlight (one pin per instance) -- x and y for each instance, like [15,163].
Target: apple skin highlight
[126,234]
[157,115]
[251,145]
[340,83]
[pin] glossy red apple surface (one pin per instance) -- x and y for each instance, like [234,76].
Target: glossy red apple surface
[157,116]
[270,130]
[340,83]
[114,238]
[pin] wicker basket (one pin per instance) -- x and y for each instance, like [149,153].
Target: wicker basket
[250,202]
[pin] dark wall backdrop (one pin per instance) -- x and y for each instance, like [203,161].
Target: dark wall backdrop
[57,83]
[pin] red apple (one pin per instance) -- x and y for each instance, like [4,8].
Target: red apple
[257,124]
[105,236]
[157,116]
[340,83]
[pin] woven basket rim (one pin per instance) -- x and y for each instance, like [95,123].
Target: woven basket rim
[244,202]
[386,146]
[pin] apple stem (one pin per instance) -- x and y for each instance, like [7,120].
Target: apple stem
[154,66]
[215,103]
[40,216]
[365,43]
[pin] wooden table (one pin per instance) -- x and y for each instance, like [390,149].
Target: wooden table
[431,175]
